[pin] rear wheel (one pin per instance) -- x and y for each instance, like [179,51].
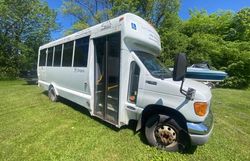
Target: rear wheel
[163,132]
[52,94]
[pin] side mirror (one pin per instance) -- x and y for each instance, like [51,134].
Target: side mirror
[180,67]
[179,72]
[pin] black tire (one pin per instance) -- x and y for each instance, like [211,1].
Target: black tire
[52,94]
[163,132]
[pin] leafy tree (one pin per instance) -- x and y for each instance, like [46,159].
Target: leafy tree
[24,26]
[240,26]
[88,12]
[154,11]
[222,39]
[172,42]
[201,22]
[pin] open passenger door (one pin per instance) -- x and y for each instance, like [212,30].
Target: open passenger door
[107,77]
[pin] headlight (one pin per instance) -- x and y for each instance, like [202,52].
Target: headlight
[200,108]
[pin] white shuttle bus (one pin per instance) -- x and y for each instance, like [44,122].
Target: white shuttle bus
[112,70]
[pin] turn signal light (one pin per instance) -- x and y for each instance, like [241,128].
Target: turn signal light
[200,108]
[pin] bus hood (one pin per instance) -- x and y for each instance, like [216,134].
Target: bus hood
[170,87]
[203,92]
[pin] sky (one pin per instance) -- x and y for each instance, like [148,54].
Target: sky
[186,5]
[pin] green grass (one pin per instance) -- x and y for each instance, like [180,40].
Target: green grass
[33,128]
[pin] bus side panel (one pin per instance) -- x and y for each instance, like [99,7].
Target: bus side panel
[71,83]
[41,73]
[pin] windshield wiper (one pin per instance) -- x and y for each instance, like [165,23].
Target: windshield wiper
[160,73]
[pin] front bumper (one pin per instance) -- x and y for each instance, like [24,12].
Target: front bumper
[200,132]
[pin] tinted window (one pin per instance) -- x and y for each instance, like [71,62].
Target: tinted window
[67,54]
[81,52]
[57,55]
[50,56]
[42,59]
[134,82]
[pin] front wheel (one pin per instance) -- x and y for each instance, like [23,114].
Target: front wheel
[163,132]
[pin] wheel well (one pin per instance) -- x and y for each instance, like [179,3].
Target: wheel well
[151,110]
[50,86]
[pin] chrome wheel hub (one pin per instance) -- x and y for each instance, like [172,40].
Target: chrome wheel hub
[166,135]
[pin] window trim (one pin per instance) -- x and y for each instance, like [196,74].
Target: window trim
[45,61]
[52,65]
[46,57]
[62,55]
[73,54]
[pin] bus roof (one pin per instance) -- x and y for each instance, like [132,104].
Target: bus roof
[136,31]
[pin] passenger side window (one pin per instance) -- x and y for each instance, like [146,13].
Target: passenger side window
[42,59]
[67,54]
[50,56]
[57,56]
[81,52]
[134,82]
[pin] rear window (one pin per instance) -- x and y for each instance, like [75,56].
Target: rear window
[42,59]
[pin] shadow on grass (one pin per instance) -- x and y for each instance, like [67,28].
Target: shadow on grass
[131,126]
[85,111]
[190,150]
[29,81]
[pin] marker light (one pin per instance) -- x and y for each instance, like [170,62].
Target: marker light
[200,108]
[121,19]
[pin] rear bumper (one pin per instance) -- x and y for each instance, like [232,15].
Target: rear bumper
[200,132]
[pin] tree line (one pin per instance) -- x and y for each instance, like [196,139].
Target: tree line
[24,26]
[222,38]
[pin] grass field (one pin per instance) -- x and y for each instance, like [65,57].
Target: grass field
[33,128]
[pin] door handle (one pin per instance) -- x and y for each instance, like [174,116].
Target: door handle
[85,86]
[151,82]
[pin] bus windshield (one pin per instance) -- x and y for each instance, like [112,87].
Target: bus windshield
[153,65]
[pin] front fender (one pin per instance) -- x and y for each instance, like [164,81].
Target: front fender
[138,126]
